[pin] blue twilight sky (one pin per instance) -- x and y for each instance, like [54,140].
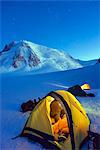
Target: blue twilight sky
[69,25]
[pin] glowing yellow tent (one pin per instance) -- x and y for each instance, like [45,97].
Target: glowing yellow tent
[85,87]
[39,127]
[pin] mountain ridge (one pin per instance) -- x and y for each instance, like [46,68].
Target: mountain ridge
[27,56]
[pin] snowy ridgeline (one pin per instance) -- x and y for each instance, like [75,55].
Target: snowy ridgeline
[16,88]
[25,56]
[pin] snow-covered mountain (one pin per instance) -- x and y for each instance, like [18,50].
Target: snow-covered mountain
[26,56]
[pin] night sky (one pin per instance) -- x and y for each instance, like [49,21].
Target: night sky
[73,26]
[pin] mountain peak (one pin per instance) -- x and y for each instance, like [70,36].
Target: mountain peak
[18,55]
[27,56]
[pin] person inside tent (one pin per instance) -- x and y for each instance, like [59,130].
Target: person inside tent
[59,120]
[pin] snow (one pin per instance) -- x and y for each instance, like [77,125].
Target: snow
[18,88]
[92,107]
[87,63]
[17,59]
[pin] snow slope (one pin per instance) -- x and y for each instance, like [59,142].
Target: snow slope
[25,56]
[18,88]
[87,63]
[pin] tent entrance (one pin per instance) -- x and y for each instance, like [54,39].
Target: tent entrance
[68,113]
[59,120]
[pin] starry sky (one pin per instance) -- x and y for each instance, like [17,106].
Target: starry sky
[72,26]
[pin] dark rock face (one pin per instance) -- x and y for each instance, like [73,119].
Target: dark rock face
[8,47]
[15,65]
[33,60]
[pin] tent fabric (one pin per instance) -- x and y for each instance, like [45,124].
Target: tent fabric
[85,87]
[39,124]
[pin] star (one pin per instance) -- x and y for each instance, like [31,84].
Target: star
[13,21]
[68,11]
